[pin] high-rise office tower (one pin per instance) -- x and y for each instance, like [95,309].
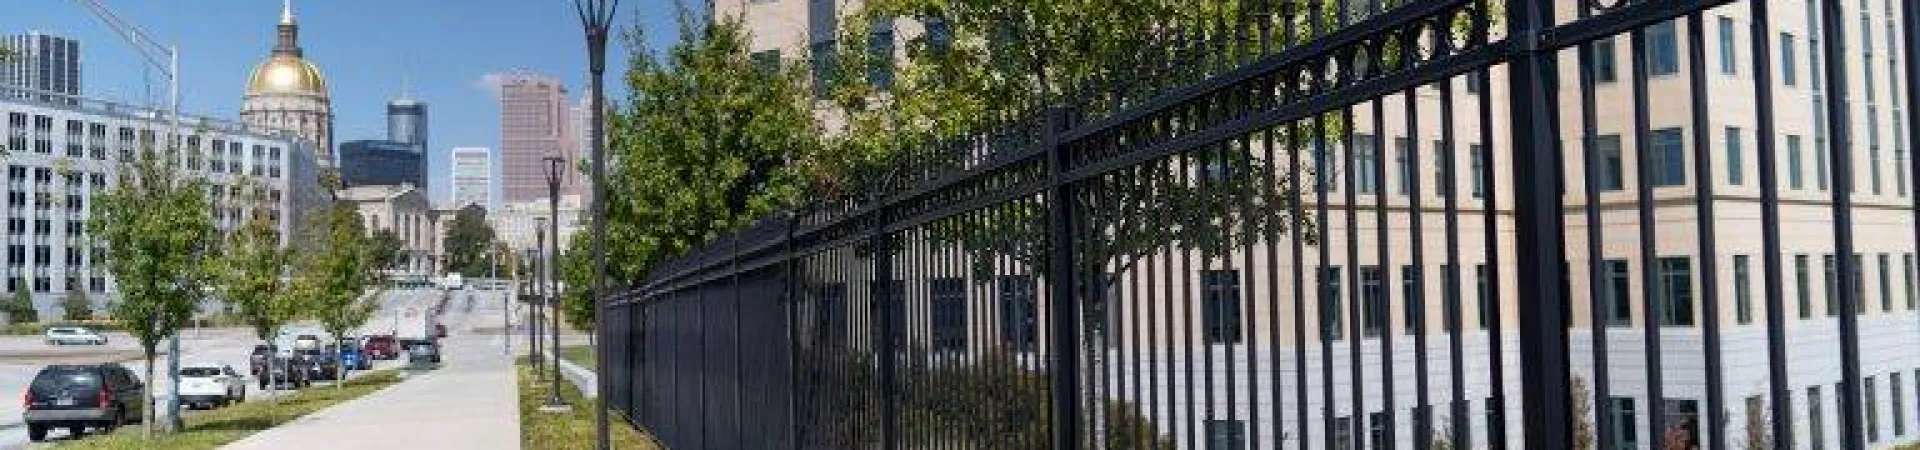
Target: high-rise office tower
[534,122]
[472,176]
[407,122]
[41,62]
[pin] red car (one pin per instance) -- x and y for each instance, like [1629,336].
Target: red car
[381,347]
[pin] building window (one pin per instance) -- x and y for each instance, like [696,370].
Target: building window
[1450,298]
[823,69]
[1226,434]
[1443,180]
[1727,58]
[1410,296]
[1816,420]
[1906,272]
[1735,161]
[1886,282]
[880,55]
[1366,178]
[1403,163]
[1833,293]
[1476,162]
[1604,68]
[1330,303]
[1742,291]
[1683,419]
[1378,432]
[1342,433]
[1623,436]
[1373,298]
[1793,162]
[1669,157]
[1873,409]
[1802,282]
[1221,298]
[1896,393]
[767,61]
[1612,168]
[1482,294]
[1663,52]
[949,321]
[939,33]
[1019,324]
[1789,73]
[1619,293]
[1676,291]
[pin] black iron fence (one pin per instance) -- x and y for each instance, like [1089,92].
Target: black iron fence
[1432,224]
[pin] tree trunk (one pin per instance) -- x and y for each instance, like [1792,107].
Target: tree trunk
[146,425]
[339,365]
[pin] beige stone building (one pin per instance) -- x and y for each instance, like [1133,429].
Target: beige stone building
[1240,312]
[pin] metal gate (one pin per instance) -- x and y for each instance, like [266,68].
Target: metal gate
[1404,224]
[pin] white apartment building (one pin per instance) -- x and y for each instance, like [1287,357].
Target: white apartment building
[64,152]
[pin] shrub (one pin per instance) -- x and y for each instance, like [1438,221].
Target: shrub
[76,306]
[19,308]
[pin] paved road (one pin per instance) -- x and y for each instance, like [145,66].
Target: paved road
[220,346]
[469,403]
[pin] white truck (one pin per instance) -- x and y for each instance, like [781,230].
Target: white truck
[453,281]
[415,325]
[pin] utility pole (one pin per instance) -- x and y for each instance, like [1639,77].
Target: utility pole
[151,51]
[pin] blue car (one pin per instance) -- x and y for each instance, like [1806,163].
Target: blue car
[353,358]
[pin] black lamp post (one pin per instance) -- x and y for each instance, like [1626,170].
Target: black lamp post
[596,16]
[537,263]
[556,167]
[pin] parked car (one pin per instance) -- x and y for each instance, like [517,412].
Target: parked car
[306,342]
[352,357]
[77,397]
[73,335]
[211,385]
[318,364]
[423,355]
[283,371]
[381,346]
[258,359]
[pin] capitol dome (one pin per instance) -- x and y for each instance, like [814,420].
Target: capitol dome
[286,74]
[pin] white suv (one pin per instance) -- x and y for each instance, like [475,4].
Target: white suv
[73,335]
[211,385]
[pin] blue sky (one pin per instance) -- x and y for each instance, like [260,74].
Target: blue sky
[365,47]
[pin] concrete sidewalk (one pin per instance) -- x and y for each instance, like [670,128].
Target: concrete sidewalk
[469,403]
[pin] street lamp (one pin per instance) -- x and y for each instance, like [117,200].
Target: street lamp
[539,290]
[556,167]
[596,16]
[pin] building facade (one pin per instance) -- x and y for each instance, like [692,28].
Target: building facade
[365,163]
[287,92]
[1255,341]
[535,123]
[65,152]
[472,177]
[513,222]
[41,62]
[404,210]
[407,122]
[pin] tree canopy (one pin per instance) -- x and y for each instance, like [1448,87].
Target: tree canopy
[468,239]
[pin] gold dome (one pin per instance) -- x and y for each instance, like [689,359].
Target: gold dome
[286,74]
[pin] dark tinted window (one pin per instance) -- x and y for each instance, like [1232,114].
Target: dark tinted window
[199,372]
[58,378]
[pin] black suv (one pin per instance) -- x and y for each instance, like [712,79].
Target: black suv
[76,397]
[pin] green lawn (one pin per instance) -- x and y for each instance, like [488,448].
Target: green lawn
[214,428]
[578,354]
[572,429]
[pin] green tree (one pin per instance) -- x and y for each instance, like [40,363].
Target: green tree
[19,307]
[706,143]
[156,227]
[76,306]
[468,238]
[386,248]
[335,280]
[249,276]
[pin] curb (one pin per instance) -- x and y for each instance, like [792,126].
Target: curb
[581,378]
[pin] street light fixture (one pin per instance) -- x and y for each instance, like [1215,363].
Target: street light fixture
[556,168]
[596,17]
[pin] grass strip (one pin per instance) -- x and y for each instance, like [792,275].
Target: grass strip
[582,355]
[572,429]
[214,428]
